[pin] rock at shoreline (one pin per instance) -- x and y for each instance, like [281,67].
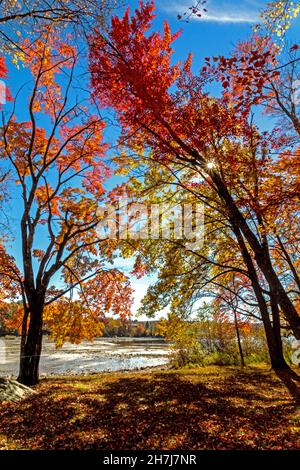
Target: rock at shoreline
[11,390]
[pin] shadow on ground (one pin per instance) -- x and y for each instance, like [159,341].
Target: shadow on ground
[188,411]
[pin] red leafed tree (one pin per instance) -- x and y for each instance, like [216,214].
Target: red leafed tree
[165,109]
[4,91]
[59,171]
[3,70]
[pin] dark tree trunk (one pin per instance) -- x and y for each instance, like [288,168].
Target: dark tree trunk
[287,307]
[275,349]
[261,255]
[31,346]
[277,334]
[273,335]
[238,336]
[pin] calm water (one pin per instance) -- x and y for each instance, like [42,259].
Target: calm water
[104,354]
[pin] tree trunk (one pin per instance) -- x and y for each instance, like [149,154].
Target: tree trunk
[277,332]
[273,338]
[275,350]
[238,336]
[287,307]
[31,346]
[261,255]
[273,335]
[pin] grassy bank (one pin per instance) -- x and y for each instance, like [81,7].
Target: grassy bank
[205,408]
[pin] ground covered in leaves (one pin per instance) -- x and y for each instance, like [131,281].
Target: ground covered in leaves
[206,408]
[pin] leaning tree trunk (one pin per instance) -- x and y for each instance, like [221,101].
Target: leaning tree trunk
[238,337]
[262,257]
[274,341]
[31,346]
[272,332]
[285,303]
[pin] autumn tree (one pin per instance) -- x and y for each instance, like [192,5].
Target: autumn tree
[20,19]
[59,172]
[278,16]
[164,109]
[26,18]
[189,272]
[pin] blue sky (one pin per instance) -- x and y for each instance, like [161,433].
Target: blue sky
[225,24]
[219,11]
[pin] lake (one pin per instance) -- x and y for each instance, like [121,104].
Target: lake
[104,354]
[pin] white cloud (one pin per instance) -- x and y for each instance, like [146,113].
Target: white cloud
[219,11]
[226,18]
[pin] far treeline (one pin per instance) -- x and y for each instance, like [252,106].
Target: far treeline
[210,338]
